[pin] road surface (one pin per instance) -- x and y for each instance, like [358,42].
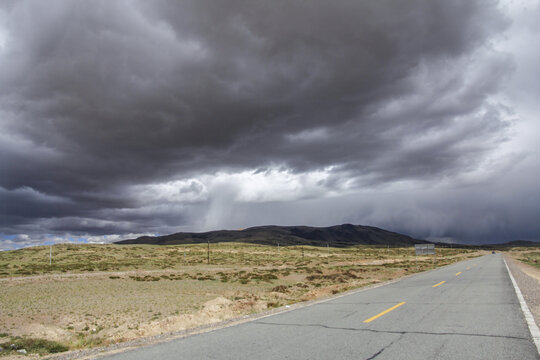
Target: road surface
[467,310]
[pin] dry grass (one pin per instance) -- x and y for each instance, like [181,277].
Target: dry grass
[528,255]
[99,294]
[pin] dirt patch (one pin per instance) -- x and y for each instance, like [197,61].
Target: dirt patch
[532,271]
[39,330]
[213,311]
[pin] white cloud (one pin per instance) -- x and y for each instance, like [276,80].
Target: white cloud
[178,191]
[275,184]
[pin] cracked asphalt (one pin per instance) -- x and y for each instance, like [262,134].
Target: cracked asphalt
[473,315]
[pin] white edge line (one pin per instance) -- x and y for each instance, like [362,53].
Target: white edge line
[533,328]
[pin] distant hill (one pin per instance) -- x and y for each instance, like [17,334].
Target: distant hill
[337,236]
[517,243]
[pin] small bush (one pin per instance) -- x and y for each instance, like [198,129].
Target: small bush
[205,277]
[280,289]
[146,278]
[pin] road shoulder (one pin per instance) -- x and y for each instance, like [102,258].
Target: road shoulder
[528,280]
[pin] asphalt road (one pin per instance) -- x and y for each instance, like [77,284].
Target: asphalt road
[467,310]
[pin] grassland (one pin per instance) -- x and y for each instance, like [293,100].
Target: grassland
[94,295]
[530,256]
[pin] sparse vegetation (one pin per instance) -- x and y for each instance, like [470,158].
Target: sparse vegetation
[97,294]
[530,256]
[31,345]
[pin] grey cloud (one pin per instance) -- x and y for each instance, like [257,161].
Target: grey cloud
[104,96]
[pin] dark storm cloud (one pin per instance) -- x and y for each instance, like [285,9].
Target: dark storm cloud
[98,97]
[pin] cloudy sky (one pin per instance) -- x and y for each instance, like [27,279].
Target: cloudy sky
[121,118]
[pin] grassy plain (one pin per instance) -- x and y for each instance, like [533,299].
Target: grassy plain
[95,295]
[530,255]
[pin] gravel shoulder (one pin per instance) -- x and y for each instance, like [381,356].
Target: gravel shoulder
[528,280]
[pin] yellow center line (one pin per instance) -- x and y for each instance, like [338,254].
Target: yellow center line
[458,273]
[384,312]
[442,282]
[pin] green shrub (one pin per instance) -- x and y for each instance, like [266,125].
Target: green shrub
[40,346]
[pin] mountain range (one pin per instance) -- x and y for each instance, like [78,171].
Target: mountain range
[337,236]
